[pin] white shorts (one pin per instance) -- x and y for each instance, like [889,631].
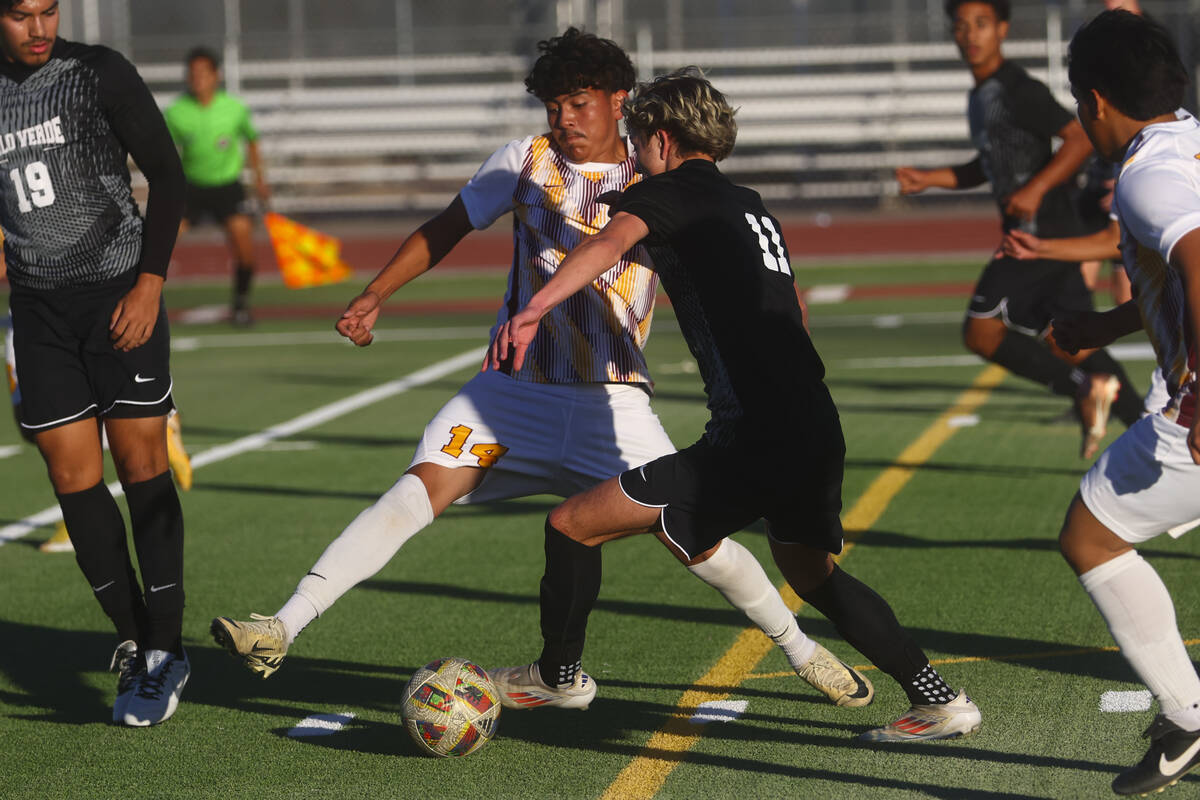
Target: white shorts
[1145,483]
[1157,396]
[539,438]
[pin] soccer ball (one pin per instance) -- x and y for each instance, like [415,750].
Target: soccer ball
[451,707]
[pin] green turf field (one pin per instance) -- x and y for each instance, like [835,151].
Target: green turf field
[965,553]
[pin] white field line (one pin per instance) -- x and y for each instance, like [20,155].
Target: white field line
[719,711]
[303,422]
[1120,702]
[218,340]
[189,343]
[322,724]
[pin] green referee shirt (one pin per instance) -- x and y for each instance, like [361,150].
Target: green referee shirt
[210,137]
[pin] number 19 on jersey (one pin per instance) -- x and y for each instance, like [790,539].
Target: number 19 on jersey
[34,189]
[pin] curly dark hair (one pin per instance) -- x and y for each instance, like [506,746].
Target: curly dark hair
[578,60]
[1002,8]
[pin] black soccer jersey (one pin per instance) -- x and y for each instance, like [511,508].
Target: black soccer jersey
[1013,118]
[66,131]
[723,262]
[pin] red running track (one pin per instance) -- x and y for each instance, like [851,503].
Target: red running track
[855,236]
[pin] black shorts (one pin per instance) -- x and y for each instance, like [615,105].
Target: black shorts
[1028,294]
[707,493]
[67,367]
[219,202]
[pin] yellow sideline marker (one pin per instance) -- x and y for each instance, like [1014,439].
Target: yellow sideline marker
[645,774]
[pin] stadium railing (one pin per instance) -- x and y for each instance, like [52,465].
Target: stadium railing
[403,134]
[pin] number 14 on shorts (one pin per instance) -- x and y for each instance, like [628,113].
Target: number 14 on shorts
[488,454]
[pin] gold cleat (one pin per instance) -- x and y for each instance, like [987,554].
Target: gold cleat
[177,457]
[836,679]
[60,542]
[260,642]
[1094,401]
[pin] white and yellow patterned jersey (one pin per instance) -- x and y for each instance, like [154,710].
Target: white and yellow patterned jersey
[597,335]
[1157,200]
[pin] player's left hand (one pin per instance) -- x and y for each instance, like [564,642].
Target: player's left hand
[516,333]
[1024,203]
[133,319]
[1019,244]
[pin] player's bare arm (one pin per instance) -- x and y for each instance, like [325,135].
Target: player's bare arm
[915,181]
[139,126]
[1096,246]
[261,188]
[1185,257]
[584,264]
[420,252]
[1091,329]
[1025,202]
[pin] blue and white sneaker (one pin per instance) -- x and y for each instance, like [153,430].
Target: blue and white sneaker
[129,668]
[157,694]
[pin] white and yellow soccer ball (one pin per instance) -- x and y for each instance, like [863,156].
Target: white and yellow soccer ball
[451,707]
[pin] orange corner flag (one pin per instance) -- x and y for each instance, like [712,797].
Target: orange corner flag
[306,257]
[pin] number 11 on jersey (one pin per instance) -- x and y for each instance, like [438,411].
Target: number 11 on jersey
[40,190]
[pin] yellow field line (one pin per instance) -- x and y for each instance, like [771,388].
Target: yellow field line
[645,774]
[937,662]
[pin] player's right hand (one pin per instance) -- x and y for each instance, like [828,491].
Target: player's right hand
[1019,244]
[515,335]
[911,180]
[359,318]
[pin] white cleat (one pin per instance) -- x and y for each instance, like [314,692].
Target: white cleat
[959,717]
[522,687]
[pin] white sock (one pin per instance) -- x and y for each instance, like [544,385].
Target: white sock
[363,548]
[735,572]
[1141,617]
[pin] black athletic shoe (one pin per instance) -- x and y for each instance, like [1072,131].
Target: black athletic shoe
[1173,751]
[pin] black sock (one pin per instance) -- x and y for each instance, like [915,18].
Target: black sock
[865,620]
[1025,356]
[243,276]
[569,590]
[98,533]
[157,521]
[1128,406]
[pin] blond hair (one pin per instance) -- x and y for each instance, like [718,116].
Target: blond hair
[685,105]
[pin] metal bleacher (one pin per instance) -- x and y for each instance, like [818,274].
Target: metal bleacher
[816,124]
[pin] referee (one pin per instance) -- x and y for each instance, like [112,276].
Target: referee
[210,126]
[90,329]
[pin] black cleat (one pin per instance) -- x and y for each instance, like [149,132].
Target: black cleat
[1173,752]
